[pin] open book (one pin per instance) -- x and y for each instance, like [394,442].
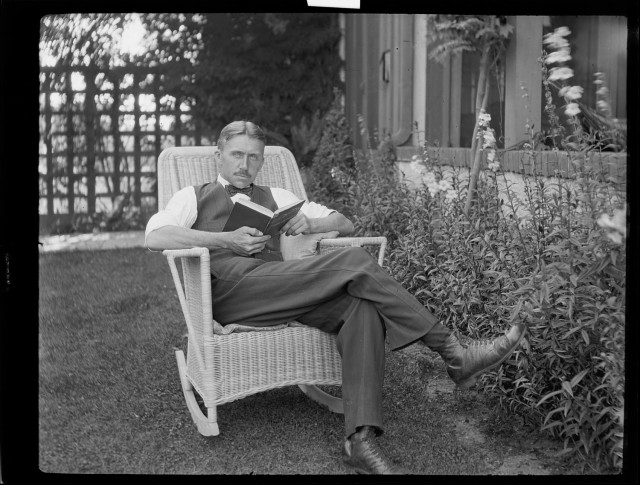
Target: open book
[250,214]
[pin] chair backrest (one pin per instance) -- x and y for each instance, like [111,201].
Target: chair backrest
[179,167]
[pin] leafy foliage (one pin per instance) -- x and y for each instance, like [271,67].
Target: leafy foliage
[271,68]
[554,268]
[333,168]
[454,34]
[550,255]
[95,39]
[305,138]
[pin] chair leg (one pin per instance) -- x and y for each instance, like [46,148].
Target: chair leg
[334,404]
[207,425]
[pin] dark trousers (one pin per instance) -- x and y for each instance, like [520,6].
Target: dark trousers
[344,292]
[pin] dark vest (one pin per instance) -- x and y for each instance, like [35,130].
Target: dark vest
[214,208]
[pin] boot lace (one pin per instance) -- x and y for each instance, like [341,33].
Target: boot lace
[485,342]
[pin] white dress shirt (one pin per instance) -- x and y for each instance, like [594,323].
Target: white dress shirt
[182,208]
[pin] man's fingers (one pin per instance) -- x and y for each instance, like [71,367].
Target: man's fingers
[298,228]
[254,234]
[251,231]
[256,244]
[255,249]
[287,226]
[291,223]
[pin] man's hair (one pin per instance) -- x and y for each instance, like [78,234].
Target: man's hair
[236,128]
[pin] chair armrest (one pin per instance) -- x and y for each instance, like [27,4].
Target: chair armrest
[195,295]
[186,253]
[328,245]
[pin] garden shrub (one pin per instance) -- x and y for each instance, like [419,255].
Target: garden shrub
[124,216]
[552,256]
[333,166]
[305,138]
[552,267]
[361,184]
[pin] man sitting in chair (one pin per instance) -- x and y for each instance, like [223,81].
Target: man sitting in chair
[344,292]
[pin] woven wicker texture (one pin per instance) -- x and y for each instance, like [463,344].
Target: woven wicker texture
[225,366]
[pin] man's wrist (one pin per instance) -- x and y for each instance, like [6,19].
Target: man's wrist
[221,241]
[313,225]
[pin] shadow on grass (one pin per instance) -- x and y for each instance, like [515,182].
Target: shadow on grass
[110,399]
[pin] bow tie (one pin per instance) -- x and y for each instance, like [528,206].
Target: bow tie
[233,190]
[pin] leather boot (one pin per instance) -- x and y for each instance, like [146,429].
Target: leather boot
[466,363]
[363,454]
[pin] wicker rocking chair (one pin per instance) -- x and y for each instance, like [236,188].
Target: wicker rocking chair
[226,363]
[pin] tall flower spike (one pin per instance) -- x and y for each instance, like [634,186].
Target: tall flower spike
[572,109]
[571,92]
[558,57]
[556,39]
[484,118]
[560,73]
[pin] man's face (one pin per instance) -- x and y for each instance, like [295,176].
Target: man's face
[242,158]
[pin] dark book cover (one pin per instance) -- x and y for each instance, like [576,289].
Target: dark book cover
[250,214]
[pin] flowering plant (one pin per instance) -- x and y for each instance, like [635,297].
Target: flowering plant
[435,185]
[487,134]
[552,255]
[560,55]
[616,226]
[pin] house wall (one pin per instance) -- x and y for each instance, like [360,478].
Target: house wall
[396,92]
[419,101]
[379,59]
[523,96]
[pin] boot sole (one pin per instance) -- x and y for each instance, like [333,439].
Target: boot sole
[346,459]
[357,469]
[470,381]
[360,470]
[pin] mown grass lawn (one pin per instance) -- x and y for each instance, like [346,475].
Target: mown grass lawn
[110,399]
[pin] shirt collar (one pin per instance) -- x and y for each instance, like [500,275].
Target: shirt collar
[224,184]
[222,181]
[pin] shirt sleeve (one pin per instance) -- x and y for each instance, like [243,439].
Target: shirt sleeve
[310,209]
[181,210]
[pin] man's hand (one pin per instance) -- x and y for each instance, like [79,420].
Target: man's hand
[298,224]
[246,241]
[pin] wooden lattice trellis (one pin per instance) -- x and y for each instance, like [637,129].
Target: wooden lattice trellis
[100,135]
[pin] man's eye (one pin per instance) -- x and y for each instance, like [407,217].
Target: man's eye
[236,155]
[253,158]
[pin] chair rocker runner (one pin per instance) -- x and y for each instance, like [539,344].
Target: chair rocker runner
[226,363]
